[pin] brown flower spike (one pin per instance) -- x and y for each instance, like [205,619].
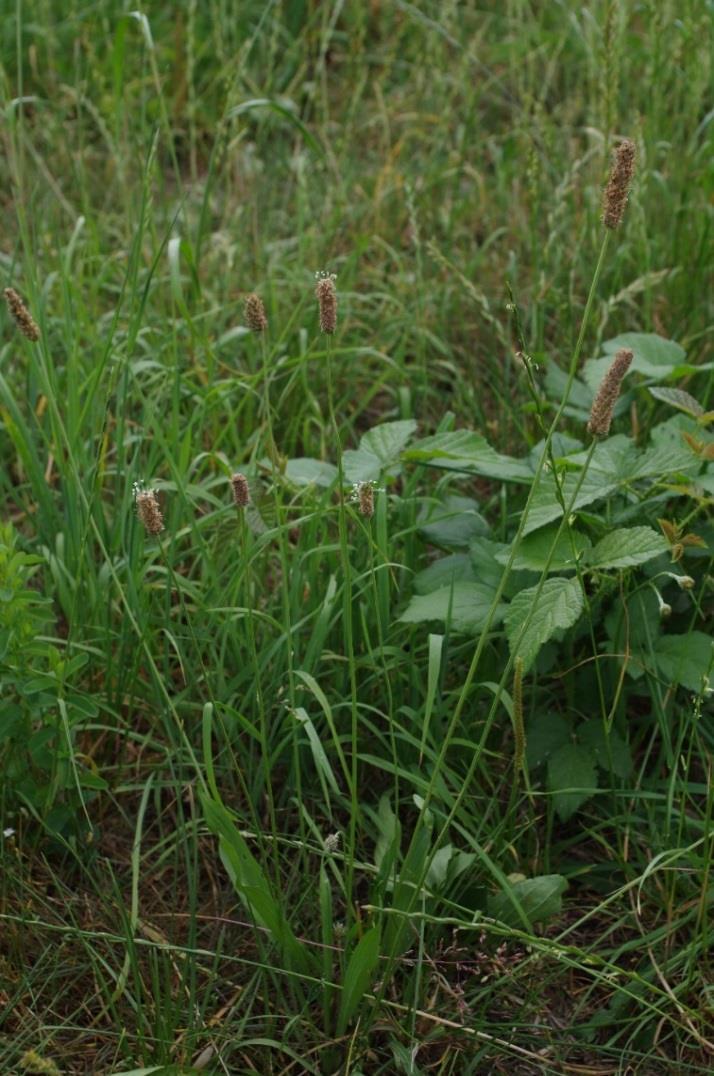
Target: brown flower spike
[618,185]
[241,494]
[365,498]
[606,396]
[24,319]
[327,302]
[254,313]
[148,511]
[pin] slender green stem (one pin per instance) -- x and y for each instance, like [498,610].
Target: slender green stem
[347,617]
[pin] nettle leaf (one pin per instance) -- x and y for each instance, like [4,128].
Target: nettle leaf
[454,522]
[615,465]
[594,738]
[464,606]
[470,453]
[379,450]
[535,549]
[572,778]
[686,660]
[309,472]
[545,734]
[539,899]
[556,608]
[678,398]
[627,547]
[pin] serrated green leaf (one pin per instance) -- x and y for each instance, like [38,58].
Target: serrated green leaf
[627,547]
[545,734]
[678,398]
[387,440]
[309,472]
[686,659]
[556,607]
[454,522]
[538,898]
[535,549]
[464,605]
[572,778]
[594,737]
[470,453]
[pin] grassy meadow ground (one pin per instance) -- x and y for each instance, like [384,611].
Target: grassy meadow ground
[281,789]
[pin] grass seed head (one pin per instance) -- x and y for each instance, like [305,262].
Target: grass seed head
[149,512]
[241,493]
[606,396]
[366,499]
[327,302]
[254,313]
[23,318]
[618,185]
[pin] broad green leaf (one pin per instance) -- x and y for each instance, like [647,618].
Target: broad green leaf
[465,606]
[445,571]
[469,452]
[360,466]
[379,450]
[454,522]
[538,898]
[532,618]
[572,778]
[653,356]
[308,472]
[686,660]
[626,547]
[615,465]
[593,735]
[678,398]
[545,734]
[358,976]
[387,440]
[535,549]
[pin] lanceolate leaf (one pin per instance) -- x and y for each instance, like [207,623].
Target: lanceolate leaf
[678,398]
[536,899]
[626,547]
[532,617]
[252,886]
[358,976]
